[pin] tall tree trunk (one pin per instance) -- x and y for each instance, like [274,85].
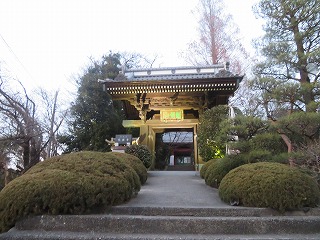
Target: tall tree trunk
[26,154]
[34,152]
[52,139]
[302,62]
[289,146]
[6,176]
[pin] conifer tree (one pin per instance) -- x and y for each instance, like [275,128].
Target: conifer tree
[94,116]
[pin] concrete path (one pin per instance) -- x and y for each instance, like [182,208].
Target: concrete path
[176,189]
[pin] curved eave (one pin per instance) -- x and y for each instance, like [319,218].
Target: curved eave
[173,79]
[125,87]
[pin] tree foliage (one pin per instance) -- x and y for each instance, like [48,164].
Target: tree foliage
[209,127]
[301,127]
[94,116]
[308,156]
[252,140]
[289,72]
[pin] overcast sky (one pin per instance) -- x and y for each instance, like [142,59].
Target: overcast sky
[46,42]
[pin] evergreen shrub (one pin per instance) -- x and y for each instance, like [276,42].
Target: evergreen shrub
[259,156]
[73,183]
[271,142]
[133,162]
[271,185]
[216,172]
[209,127]
[280,158]
[141,152]
[205,167]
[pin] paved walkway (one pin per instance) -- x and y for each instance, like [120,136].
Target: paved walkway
[176,189]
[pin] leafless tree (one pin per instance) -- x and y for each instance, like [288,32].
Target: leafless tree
[28,130]
[220,42]
[20,125]
[137,60]
[52,119]
[219,39]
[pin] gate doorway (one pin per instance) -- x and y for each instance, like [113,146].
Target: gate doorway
[174,150]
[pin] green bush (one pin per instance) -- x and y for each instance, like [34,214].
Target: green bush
[162,153]
[259,156]
[280,158]
[133,162]
[272,185]
[205,167]
[271,142]
[73,183]
[209,127]
[216,172]
[141,152]
[89,162]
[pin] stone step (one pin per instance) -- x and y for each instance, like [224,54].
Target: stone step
[173,224]
[124,222]
[41,235]
[208,211]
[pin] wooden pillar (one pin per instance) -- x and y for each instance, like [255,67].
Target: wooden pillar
[149,140]
[152,145]
[195,147]
[144,131]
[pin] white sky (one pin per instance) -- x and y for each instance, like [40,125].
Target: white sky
[52,39]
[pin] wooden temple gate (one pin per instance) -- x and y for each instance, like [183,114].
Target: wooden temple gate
[159,99]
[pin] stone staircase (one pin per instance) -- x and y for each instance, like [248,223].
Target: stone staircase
[127,222]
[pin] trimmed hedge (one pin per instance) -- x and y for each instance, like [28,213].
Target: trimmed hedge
[74,183]
[133,162]
[272,185]
[88,162]
[216,171]
[205,167]
[141,152]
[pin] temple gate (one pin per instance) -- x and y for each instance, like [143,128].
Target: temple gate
[159,99]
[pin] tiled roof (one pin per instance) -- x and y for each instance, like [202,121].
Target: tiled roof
[175,77]
[220,66]
[173,73]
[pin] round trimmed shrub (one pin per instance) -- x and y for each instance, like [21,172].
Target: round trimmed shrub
[216,172]
[89,162]
[141,152]
[271,185]
[133,162]
[205,167]
[73,183]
